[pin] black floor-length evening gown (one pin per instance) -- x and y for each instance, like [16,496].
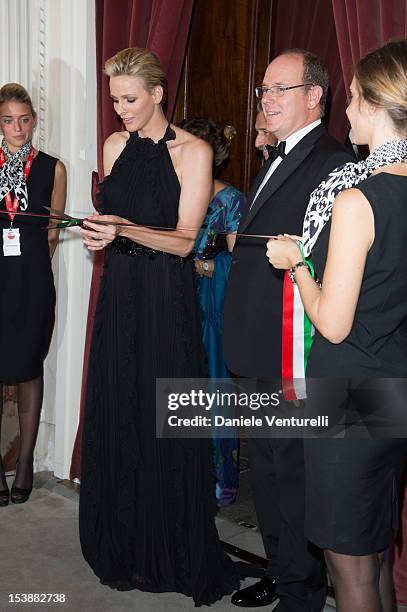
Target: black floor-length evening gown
[27,292]
[147,505]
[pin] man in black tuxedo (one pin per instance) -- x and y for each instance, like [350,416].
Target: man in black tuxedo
[293,97]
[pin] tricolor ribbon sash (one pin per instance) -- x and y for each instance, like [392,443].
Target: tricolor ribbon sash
[297,336]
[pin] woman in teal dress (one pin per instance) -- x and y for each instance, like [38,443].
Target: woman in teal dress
[213,248]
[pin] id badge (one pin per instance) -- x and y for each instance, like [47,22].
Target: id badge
[11,242]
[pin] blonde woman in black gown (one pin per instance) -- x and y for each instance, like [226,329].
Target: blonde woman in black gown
[355,229]
[147,505]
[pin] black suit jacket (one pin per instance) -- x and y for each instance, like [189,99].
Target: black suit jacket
[253,302]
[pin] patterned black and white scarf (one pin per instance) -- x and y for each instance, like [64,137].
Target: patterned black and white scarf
[319,209]
[12,173]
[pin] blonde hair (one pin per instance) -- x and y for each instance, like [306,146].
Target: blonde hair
[382,80]
[139,62]
[14,92]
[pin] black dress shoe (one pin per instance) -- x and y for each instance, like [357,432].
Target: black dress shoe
[4,493]
[4,497]
[263,593]
[19,496]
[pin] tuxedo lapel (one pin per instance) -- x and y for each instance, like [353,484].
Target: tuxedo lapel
[289,164]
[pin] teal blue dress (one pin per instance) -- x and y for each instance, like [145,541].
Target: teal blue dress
[224,213]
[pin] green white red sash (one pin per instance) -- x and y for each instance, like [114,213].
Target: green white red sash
[297,336]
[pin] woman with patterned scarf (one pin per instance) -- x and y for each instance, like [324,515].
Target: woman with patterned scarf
[355,231]
[29,181]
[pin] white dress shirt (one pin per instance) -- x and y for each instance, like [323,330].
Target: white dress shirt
[290,143]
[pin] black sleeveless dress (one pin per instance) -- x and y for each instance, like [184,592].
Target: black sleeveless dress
[147,505]
[27,293]
[352,483]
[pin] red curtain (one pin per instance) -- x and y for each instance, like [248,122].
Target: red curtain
[161,26]
[310,25]
[362,26]
[400,551]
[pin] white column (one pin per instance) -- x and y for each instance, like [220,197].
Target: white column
[70,132]
[15,62]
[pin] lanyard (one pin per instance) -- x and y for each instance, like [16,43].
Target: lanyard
[12,206]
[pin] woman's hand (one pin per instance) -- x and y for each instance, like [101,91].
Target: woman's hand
[283,252]
[199,267]
[96,236]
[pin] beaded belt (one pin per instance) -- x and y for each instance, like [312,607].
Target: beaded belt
[125,246]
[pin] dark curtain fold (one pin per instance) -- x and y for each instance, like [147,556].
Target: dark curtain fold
[362,26]
[310,25]
[162,26]
[400,550]
[159,25]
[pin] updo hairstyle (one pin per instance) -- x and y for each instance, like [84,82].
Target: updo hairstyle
[382,80]
[14,92]
[141,63]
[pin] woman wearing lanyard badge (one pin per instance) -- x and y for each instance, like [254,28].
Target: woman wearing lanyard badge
[29,181]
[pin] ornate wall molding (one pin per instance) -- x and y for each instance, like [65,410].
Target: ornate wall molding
[42,61]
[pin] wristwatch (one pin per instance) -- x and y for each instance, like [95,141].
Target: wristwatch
[205,266]
[292,271]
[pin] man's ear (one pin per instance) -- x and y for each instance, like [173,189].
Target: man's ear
[157,94]
[314,96]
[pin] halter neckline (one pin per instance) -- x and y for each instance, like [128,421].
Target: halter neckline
[169,134]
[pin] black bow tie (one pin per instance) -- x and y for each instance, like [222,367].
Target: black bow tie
[278,151]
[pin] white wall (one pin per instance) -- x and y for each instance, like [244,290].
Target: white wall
[49,47]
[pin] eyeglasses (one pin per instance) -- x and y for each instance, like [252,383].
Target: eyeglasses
[276,90]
